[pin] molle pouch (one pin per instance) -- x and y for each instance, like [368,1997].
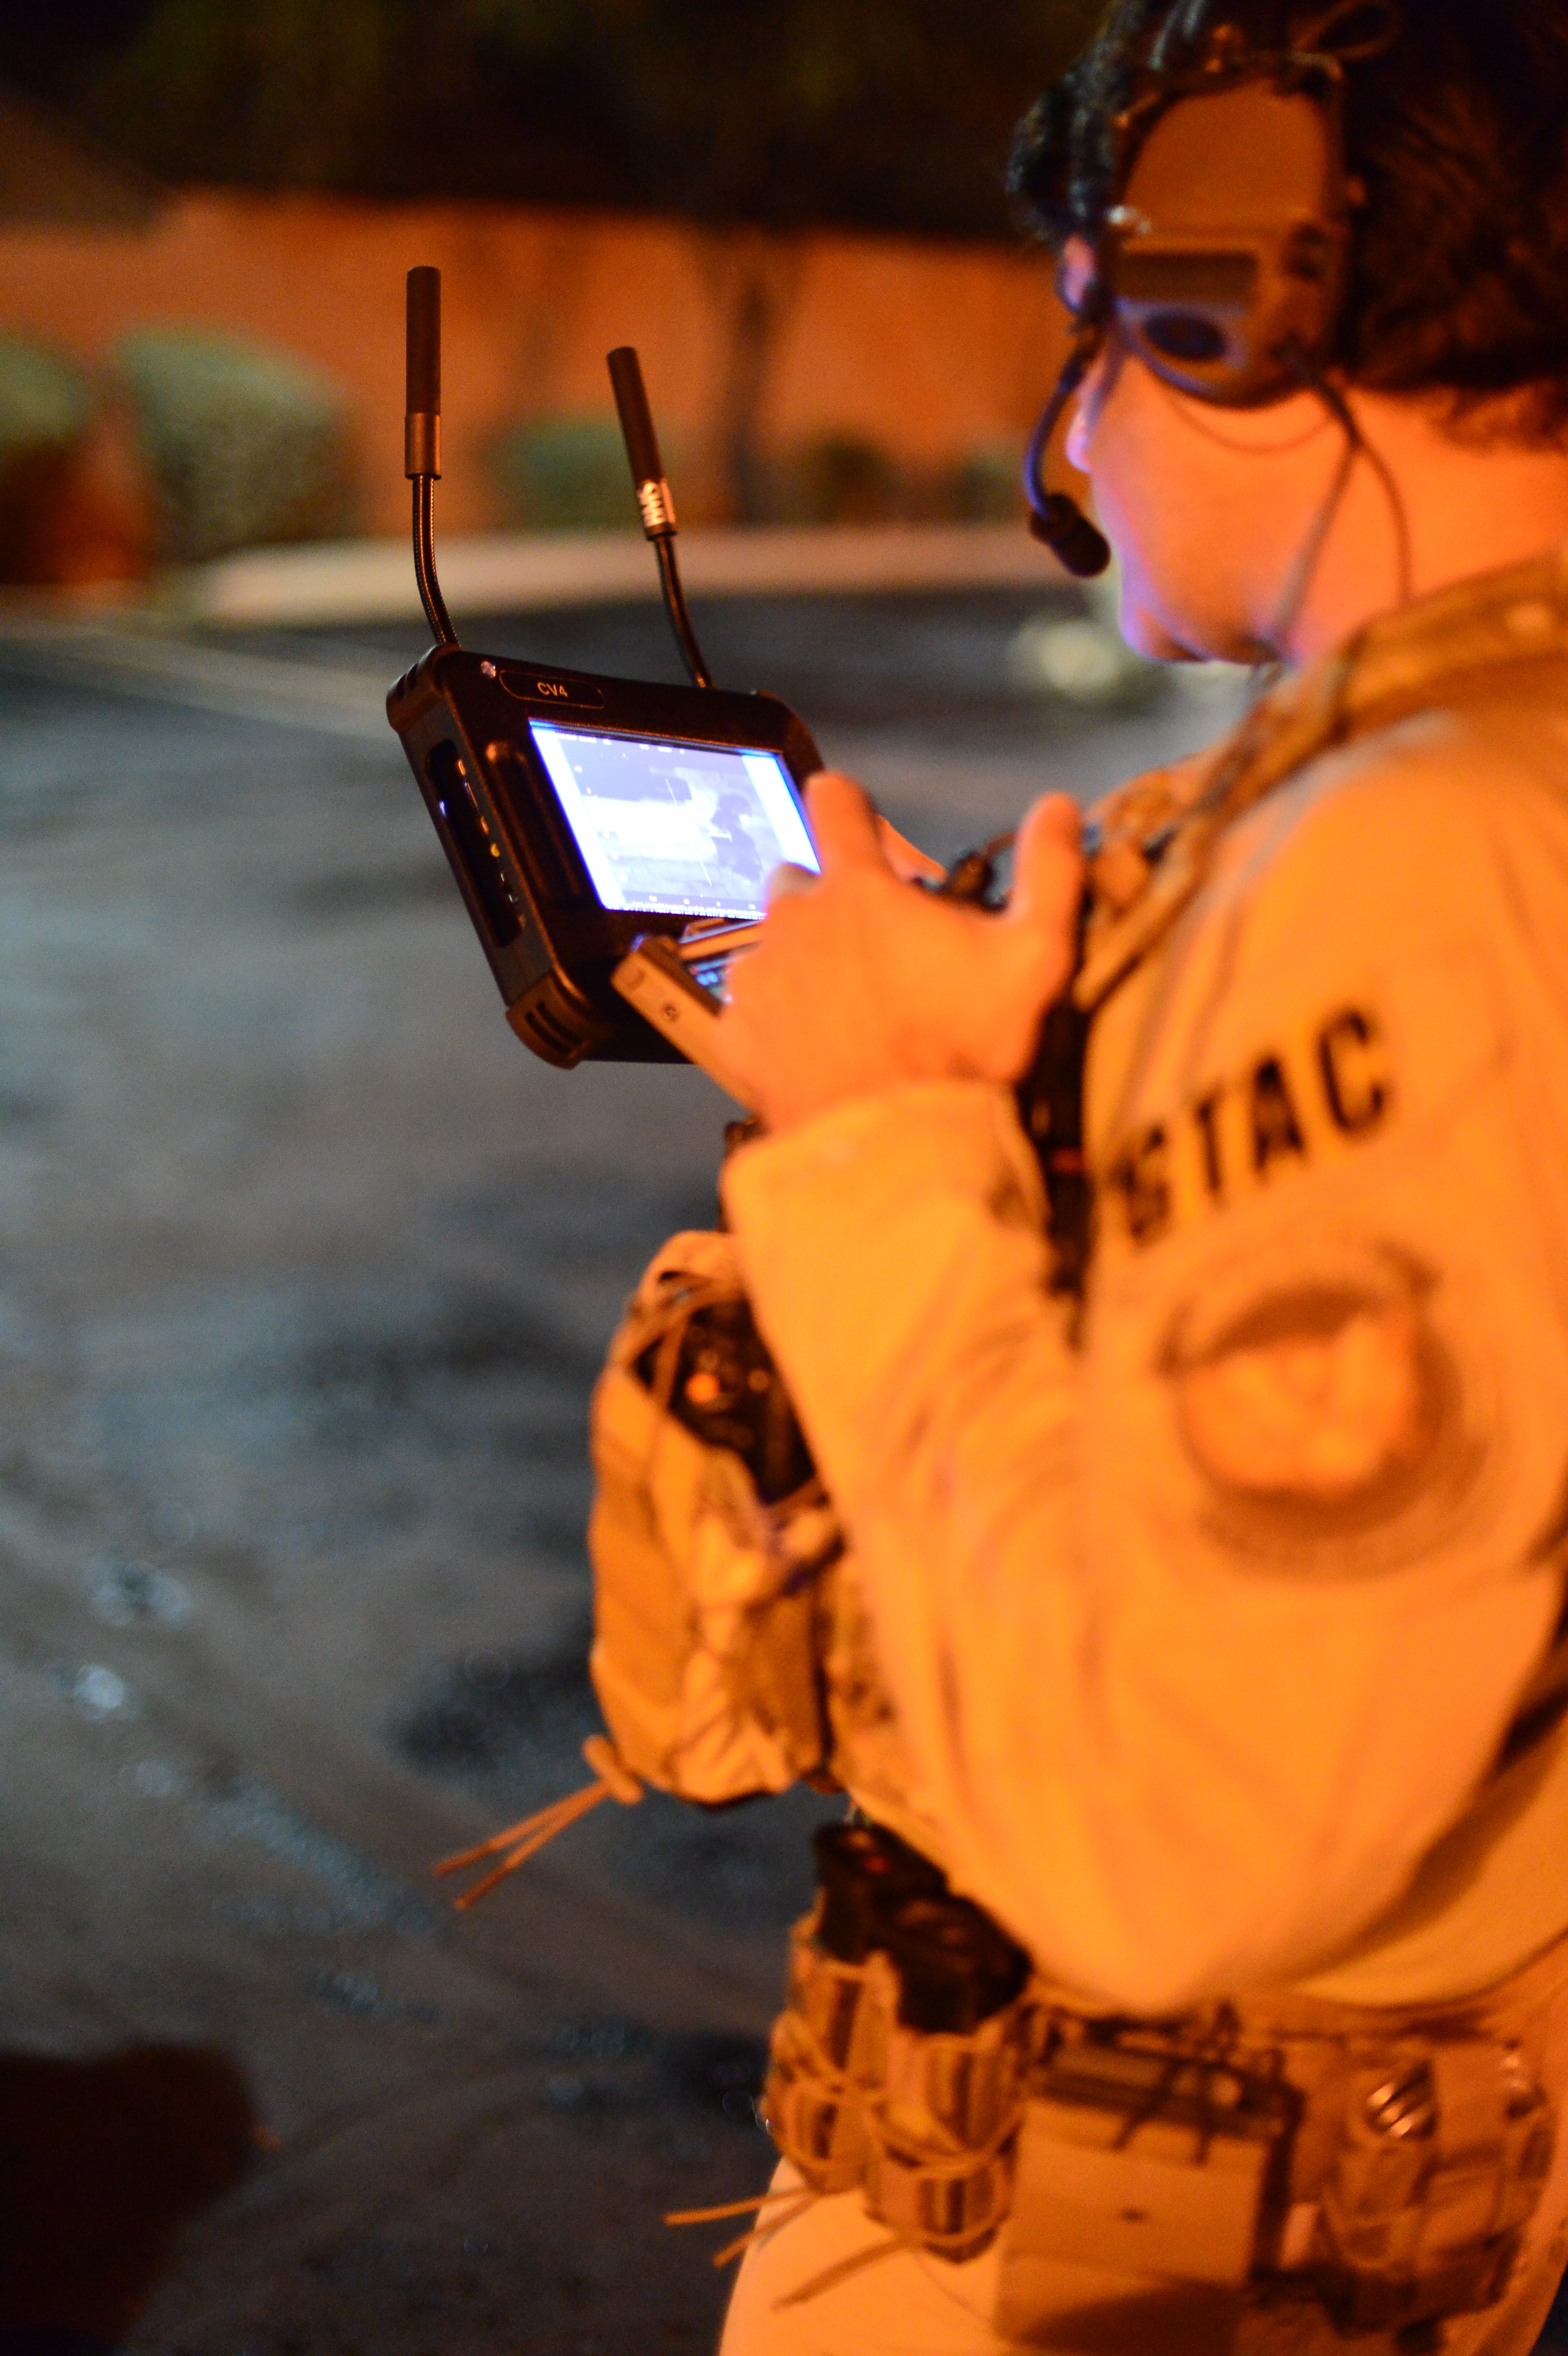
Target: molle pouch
[829,2051]
[947,2117]
[710,1536]
[941,2169]
[827,2057]
[1444,2151]
[897,2063]
[1151,2174]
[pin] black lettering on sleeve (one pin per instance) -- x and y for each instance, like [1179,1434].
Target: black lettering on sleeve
[1142,1177]
[1206,1114]
[1275,1128]
[1354,1087]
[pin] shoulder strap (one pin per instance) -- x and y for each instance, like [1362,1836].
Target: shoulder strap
[1050,1107]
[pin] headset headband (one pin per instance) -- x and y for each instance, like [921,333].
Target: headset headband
[1222,258]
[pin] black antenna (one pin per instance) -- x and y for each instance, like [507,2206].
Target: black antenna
[655,500]
[421,440]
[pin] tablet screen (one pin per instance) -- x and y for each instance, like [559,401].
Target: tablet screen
[677,830]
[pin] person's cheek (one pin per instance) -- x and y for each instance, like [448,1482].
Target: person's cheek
[1139,498]
[1096,447]
[1139,618]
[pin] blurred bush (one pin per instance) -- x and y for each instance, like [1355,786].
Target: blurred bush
[848,478]
[989,485]
[245,445]
[565,474]
[838,478]
[45,407]
[45,402]
[568,472]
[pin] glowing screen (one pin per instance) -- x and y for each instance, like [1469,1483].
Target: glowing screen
[675,829]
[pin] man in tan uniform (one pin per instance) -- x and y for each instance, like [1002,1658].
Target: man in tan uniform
[1219,1615]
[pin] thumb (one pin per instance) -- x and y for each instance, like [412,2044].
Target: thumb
[1047,868]
[844,823]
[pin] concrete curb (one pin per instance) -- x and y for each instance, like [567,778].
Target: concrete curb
[368,580]
[364,580]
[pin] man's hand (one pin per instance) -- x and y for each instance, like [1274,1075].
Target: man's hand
[862,980]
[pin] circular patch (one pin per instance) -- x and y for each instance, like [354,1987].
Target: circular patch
[1323,1414]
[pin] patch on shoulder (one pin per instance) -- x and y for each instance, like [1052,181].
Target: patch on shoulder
[1324,1415]
[1298,1101]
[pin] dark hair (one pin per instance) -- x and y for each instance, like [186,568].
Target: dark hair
[1458,135]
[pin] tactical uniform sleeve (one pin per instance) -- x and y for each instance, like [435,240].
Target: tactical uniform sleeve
[1200,1634]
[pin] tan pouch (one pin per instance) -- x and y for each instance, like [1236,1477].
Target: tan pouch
[923,2123]
[1445,2147]
[1146,2176]
[706,1603]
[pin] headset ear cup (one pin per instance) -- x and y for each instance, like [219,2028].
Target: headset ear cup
[1198,347]
[1236,353]
[1230,358]
[1231,238]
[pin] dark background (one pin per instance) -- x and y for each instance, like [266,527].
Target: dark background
[306,1270]
[890,114]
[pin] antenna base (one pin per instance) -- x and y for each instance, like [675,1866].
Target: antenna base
[421,443]
[656,507]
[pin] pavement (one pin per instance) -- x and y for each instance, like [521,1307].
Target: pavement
[305,1272]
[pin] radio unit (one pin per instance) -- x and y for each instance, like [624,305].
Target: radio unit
[610,838]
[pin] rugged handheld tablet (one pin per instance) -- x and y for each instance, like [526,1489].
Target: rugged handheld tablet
[585,816]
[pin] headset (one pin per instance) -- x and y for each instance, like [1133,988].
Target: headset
[1224,255]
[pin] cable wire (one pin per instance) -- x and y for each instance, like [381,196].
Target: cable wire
[1334,400]
[1356,446]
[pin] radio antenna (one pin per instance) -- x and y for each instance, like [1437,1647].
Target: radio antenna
[656,503]
[421,440]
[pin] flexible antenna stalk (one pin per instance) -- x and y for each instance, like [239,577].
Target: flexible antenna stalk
[654,503]
[421,440]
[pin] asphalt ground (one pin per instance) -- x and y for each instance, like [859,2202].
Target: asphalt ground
[305,1272]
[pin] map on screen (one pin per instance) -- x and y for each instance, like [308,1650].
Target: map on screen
[677,830]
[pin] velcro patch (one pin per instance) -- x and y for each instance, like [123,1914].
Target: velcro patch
[1298,1101]
[1323,1416]
[1328,1402]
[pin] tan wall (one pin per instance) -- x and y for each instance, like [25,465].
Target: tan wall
[929,349]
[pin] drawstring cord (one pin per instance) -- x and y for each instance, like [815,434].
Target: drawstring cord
[614,1781]
[790,2203]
